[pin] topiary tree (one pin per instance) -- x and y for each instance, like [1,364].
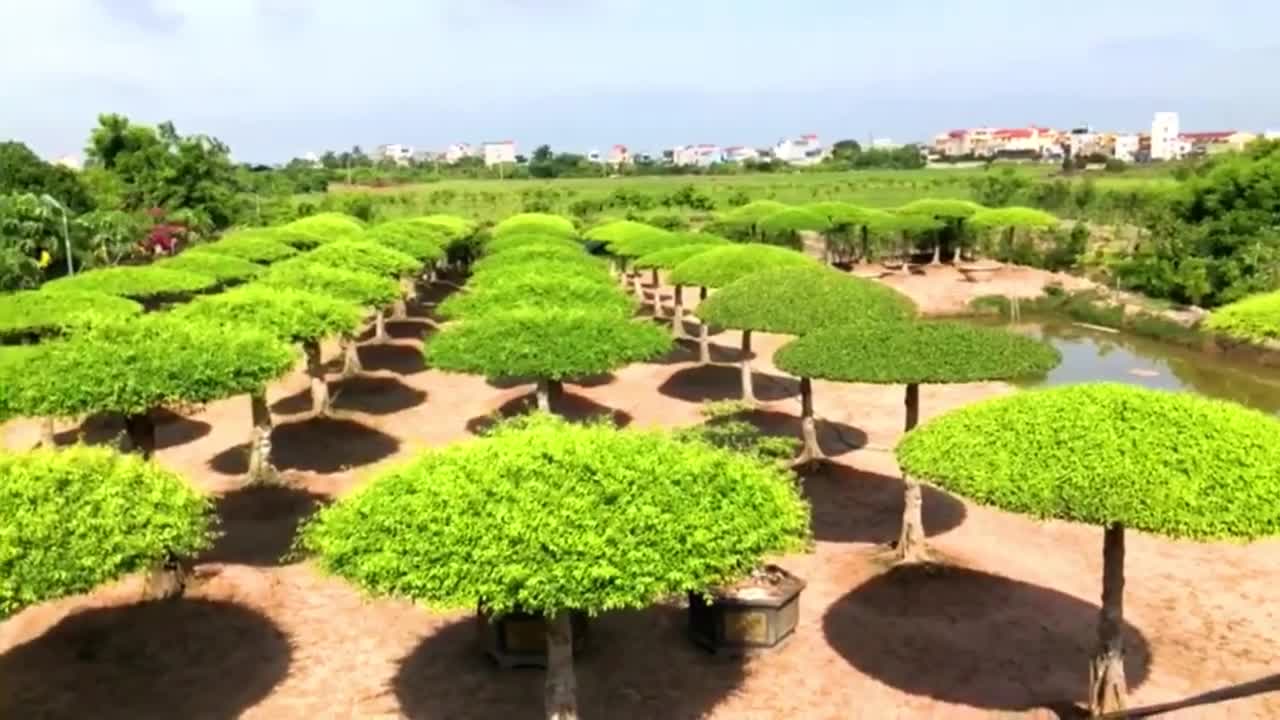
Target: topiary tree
[558,520]
[299,239]
[86,516]
[453,226]
[1255,319]
[537,224]
[364,290]
[1010,220]
[669,258]
[796,301]
[628,239]
[329,227]
[520,241]
[548,346]
[371,257]
[1118,456]
[294,316]
[950,211]
[910,354]
[548,267]
[787,225]
[537,291]
[257,248]
[516,257]
[226,269]
[906,229]
[720,266]
[135,367]
[423,243]
[31,315]
[148,285]
[741,221]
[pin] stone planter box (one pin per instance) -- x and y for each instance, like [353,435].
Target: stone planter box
[978,273]
[520,639]
[757,614]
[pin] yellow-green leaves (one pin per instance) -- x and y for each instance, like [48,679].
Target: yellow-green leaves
[134,282]
[329,227]
[292,315]
[722,265]
[253,246]
[538,292]
[797,300]
[38,313]
[223,268]
[1253,319]
[536,224]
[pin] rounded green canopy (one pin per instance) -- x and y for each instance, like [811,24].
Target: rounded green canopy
[538,292]
[628,238]
[545,515]
[797,300]
[364,256]
[1012,217]
[550,267]
[1253,319]
[257,247]
[520,241]
[915,353]
[536,254]
[536,223]
[1169,463]
[329,226]
[79,517]
[793,220]
[722,265]
[223,268]
[38,313]
[421,242]
[753,212]
[135,282]
[293,315]
[360,288]
[942,208]
[453,225]
[670,257]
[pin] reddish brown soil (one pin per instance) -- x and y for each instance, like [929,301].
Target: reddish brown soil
[1003,632]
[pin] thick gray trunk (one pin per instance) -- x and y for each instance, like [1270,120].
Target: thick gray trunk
[810,451]
[912,547]
[562,685]
[704,343]
[261,471]
[141,432]
[543,394]
[315,371]
[380,325]
[399,310]
[351,365]
[1108,689]
[677,313]
[748,388]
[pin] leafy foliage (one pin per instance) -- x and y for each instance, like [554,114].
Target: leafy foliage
[547,268]
[453,225]
[837,212]
[1253,319]
[358,288]
[1169,463]
[726,427]
[925,352]
[220,267]
[671,257]
[80,517]
[720,266]
[538,344]
[537,253]
[329,226]
[135,365]
[293,315]
[516,241]
[536,223]
[790,221]
[543,515]
[797,300]
[422,242]
[753,212]
[298,239]
[1012,217]
[628,238]
[133,282]
[942,208]
[364,256]
[34,312]
[22,172]
[538,292]
[251,245]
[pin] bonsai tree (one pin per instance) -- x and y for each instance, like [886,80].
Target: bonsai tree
[226,269]
[741,221]
[844,218]
[520,241]
[367,256]
[550,267]
[586,535]
[537,253]
[536,223]
[453,226]
[147,285]
[421,242]
[628,239]
[549,293]
[1009,220]
[907,228]
[667,260]
[329,226]
[720,266]
[548,346]
[786,226]
[1255,319]
[299,239]
[361,289]
[295,316]
[86,516]
[31,315]
[910,354]
[137,366]
[952,212]
[257,248]
[1117,456]
[796,301]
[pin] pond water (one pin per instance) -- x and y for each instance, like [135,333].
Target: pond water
[1090,355]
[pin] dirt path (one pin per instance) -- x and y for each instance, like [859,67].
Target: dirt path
[1008,631]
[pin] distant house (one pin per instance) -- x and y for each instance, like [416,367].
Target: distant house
[499,153]
[697,155]
[428,156]
[1126,147]
[398,154]
[619,155]
[804,150]
[458,151]
[740,153]
[1165,131]
[1217,141]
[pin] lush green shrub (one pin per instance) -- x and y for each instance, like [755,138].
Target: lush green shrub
[297,238]
[223,268]
[720,266]
[924,352]
[797,300]
[1012,217]
[515,241]
[537,253]
[701,237]
[1170,463]
[536,223]
[1255,319]
[538,292]
[135,282]
[329,226]
[628,238]
[453,225]
[132,366]
[359,288]
[726,427]
[787,223]
[365,256]
[80,517]
[252,246]
[753,212]
[543,515]
[671,257]
[546,268]
[942,208]
[36,313]
[421,242]
[293,315]
[550,345]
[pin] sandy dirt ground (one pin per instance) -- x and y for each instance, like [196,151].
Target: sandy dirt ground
[1004,631]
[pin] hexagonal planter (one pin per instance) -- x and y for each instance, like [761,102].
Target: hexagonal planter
[754,615]
[520,639]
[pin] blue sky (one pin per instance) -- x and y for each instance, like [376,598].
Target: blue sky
[276,78]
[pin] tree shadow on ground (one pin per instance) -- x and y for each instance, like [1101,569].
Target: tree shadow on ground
[169,659]
[373,395]
[321,445]
[968,637]
[172,430]
[590,381]
[834,438]
[430,298]
[702,383]
[635,666]
[567,405]
[855,506]
[391,357]
[685,350]
[258,524]
[412,328]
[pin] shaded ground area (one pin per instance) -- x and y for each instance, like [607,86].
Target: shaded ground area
[257,525]
[321,445]
[853,506]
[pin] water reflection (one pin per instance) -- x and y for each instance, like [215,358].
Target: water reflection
[1093,355]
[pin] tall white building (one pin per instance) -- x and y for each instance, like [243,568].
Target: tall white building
[1165,130]
[1125,147]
